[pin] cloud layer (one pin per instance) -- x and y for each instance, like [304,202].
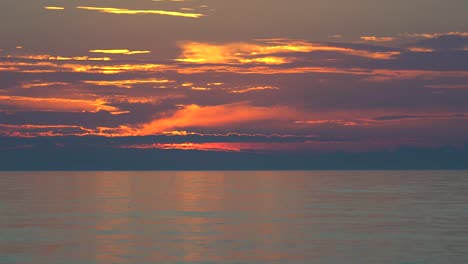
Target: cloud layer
[150,69]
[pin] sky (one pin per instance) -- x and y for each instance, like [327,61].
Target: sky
[256,76]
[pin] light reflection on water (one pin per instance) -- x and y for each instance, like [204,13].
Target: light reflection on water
[234,217]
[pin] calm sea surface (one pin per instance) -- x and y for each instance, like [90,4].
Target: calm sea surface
[346,217]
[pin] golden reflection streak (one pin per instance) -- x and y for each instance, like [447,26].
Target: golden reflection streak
[194,192]
[124,11]
[113,193]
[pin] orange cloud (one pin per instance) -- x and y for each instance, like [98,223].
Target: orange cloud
[215,116]
[57,104]
[211,146]
[263,52]
[115,68]
[195,52]
[124,11]
[266,70]
[42,63]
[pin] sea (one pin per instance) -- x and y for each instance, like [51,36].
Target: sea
[316,217]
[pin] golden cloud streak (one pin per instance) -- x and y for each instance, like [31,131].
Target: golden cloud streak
[28,85]
[200,89]
[263,52]
[123,11]
[59,58]
[254,89]
[54,7]
[114,69]
[121,51]
[128,83]
[372,74]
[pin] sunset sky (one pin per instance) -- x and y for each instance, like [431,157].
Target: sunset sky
[244,76]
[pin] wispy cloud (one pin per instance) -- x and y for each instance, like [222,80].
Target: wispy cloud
[128,83]
[420,49]
[418,117]
[46,130]
[123,11]
[58,58]
[120,51]
[54,7]
[253,89]
[22,103]
[448,86]
[40,83]
[377,39]
[436,35]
